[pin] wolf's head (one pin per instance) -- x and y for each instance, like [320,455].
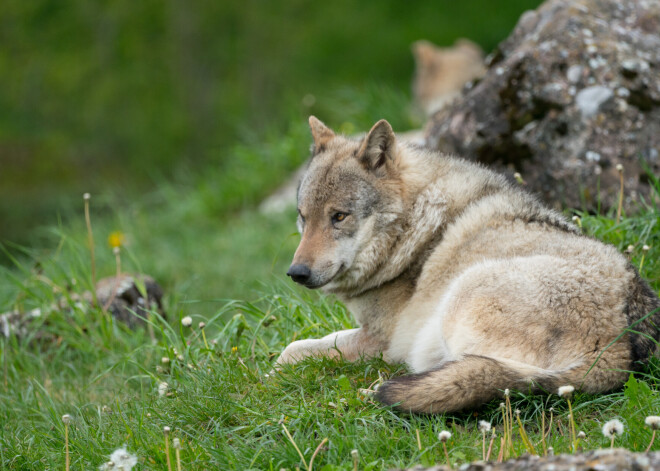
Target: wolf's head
[350,205]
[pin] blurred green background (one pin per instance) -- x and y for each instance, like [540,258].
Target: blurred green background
[117,98]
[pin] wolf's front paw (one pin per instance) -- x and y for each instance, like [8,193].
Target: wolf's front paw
[294,352]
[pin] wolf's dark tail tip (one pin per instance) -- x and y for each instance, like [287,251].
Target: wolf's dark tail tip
[466,383]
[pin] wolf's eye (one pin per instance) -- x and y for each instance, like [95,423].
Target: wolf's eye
[339,217]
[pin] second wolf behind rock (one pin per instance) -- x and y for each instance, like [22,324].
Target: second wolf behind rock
[467,279]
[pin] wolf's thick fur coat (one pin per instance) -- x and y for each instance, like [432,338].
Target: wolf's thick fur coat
[463,276]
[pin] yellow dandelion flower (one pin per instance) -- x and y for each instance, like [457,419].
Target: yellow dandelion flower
[116,239]
[234,349]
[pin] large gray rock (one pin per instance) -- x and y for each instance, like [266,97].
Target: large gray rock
[574,91]
[617,459]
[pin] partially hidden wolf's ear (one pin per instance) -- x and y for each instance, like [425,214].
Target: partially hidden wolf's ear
[321,133]
[377,147]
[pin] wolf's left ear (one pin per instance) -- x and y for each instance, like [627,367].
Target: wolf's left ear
[321,133]
[377,147]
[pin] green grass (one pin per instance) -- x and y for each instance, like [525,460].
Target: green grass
[222,262]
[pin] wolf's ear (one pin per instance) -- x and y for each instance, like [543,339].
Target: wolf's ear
[321,133]
[377,147]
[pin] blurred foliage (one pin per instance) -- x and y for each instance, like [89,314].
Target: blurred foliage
[117,96]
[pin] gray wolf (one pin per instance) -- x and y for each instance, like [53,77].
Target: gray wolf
[442,72]
[440,75]
[461,275]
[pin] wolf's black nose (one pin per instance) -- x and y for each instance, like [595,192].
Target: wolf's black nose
[299,273]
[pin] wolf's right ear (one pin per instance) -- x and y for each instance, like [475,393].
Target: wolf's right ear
[377,148]
[321,133]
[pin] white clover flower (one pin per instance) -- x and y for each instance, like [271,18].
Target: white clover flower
[565,391]
[162,388]
[484,427]
[612,427]
[653,421]
[444,436]
[186,321]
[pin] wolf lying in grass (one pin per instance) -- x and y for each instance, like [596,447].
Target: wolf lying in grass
[469,280]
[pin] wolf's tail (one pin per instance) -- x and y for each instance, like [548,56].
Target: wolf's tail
[461,384]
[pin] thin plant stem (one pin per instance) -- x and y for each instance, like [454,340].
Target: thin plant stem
[316,452]
[286,431]
[419,442]
[167,452]
[483,445]
[67,460]
[500,455]
[545,450]
[444,446]
[612,442]
[206,344]
[505,424]
[113,295]
[177,452]
[90,238]
[648,448]
[523,435]
[572,419]
[509,413]
[620,206]
[490,447]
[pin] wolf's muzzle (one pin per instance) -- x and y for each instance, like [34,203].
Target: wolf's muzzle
[300,273]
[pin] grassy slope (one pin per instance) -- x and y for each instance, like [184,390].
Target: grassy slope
[219,402]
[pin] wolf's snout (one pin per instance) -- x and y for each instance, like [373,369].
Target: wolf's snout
[299,273]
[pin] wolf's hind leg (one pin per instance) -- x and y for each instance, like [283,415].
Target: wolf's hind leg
[460,384]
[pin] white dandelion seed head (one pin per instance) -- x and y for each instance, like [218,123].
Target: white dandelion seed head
[565,391]
[653,421]
[186,321]
[444,436]
[581,434]
[66,418]
[575,218]
[630,248]
[354,454]
[517,411]
[502,405]
[116,251]
[162,388]
[180,357]
[646,248]
[507,392]
[123,459]
[201,325]
[619,167]
[166,430]
[612,427]
[176,444]
[165,360]
[484,427]
[552,409]
[86,196]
